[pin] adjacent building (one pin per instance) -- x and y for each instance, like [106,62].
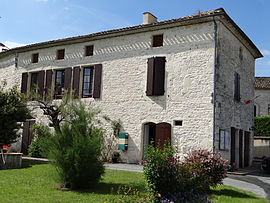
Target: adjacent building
[185,79]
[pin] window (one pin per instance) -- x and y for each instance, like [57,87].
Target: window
[157,40]
[87,88]
[35,58]
[59,83]
[237,87]
[155,76]
[89,50]
[34,83]
[60,54]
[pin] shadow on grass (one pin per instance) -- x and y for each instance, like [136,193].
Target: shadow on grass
[111,188]
[232,193]
[30,163]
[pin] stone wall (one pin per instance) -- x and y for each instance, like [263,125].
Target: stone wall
[262,102]
[232,56]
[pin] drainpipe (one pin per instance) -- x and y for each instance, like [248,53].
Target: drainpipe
[214,84]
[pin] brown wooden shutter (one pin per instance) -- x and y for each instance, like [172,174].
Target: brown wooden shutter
[76,81]
[157,40]
[246,149]
[67,81]
[48,83]
[237,87]
[24,83]
[159,75]
[40,82]
[97,80]
[155,76]
[150,77]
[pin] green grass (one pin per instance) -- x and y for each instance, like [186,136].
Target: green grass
[36,183]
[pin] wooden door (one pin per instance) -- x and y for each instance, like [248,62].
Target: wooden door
[27,136]
[246,149]
[233,131]
[241,149]
[163,134]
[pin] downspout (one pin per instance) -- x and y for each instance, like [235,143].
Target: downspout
[214,83]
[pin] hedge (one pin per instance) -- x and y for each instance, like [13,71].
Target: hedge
[262,126]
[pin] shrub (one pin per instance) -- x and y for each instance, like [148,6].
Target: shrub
[76,149]
[210,167]
[13,109]
[40,144]
[169,179]
[262,126]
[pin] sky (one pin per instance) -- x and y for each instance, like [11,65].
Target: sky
[30,21]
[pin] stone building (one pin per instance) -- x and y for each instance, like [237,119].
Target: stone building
[185,79]
[262,96]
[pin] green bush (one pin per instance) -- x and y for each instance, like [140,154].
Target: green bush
[210,167]
[262,126]
[40,144]
[169,179]
[76,149]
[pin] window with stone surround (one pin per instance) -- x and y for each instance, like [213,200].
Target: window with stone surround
[60,54]
[35,58]
[157,41]
[89,50]
[88,76]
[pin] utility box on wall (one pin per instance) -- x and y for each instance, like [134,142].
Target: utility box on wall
[123,141]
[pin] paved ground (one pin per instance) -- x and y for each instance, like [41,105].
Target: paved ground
[256,182]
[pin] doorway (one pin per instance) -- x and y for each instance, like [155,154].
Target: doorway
[156,134]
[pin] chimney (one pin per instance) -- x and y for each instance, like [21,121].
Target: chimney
[149,18]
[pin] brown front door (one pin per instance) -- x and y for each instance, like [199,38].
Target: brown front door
[241,149]
[27,136]
[246,149]
[163,134]
[233,131]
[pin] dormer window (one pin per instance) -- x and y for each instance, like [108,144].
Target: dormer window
[157,41]
[35,58]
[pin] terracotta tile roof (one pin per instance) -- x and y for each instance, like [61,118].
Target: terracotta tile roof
[262,83]
[215,12]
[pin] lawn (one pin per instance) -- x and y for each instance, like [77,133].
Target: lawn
[36,183]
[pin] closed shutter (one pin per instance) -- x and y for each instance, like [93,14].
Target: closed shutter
[150,77]
[40,82]
[155,76]
[76,81]
[233,144]
[159,75]
[24,83]
[97,80]
[48,83]
[237,87]
[67,81]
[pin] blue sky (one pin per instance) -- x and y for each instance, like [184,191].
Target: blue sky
[30,21]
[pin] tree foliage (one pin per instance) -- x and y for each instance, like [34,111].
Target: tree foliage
[262,126]
[13,109]
[76,148]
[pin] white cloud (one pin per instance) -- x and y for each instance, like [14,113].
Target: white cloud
[11,45]
[265,51]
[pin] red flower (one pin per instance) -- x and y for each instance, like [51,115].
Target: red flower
[234,164]
[248,101]
[5,147]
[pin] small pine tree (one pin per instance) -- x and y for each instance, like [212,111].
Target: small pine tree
[76,148]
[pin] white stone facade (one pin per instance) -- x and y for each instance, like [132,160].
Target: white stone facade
[200,61]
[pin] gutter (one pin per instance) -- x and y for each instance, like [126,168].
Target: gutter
[214,83]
